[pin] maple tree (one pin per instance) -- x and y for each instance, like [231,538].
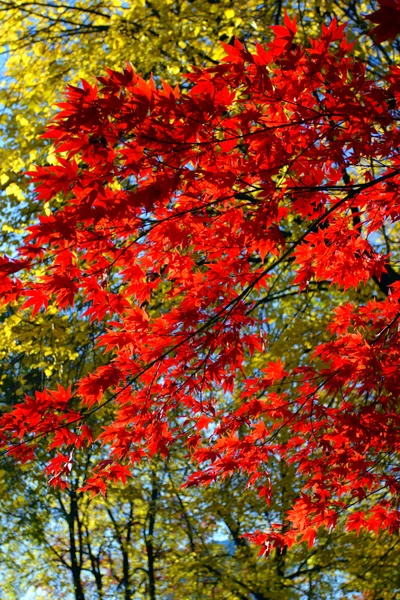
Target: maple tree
[43,49]
[172,214]
[46,45]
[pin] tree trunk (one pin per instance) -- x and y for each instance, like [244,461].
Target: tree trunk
[149,539]
[76,567]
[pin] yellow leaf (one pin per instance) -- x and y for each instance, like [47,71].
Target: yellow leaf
[15,190]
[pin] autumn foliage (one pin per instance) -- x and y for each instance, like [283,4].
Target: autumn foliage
[171,212]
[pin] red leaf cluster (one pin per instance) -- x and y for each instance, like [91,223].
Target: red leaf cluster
[172,226]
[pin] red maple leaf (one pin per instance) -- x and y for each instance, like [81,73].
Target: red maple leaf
[387,18]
